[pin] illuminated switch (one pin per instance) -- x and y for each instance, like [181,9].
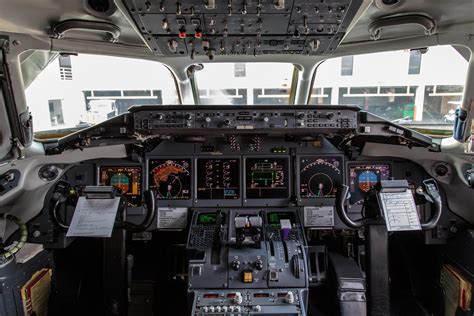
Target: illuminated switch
[248,277]
[285,228]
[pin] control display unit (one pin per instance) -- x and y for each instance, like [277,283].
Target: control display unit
[274,218]
[320,177]
[362,177]
[266,178]
[218,179]
[127,179]
[209,218]
[170,178]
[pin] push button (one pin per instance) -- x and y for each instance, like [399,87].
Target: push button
[248,277]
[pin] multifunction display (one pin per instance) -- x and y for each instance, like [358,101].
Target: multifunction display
[127,179]
[363,177]
[266,178]
[218,179]
[170,178]
[320,177]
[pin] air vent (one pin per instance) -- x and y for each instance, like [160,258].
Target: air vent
[99,8]
[48,172]
[442,171]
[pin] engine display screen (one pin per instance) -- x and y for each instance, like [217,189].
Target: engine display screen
[266,178]
[363,177]
[218,179]
[320,177]
[127,179]
[170,178]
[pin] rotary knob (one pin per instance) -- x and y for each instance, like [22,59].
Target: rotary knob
[235,265]
[301,116]
[290,297]
[159,116]
[188,116]
[238,299]
[330,115]
[227,122]
[259,264]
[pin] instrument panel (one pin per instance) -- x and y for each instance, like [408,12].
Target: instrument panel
[218,179]
[362,177]
[158,119]
[128,179]
[240,27]
[320,176]
[170,178]
[266,178]
[245,180]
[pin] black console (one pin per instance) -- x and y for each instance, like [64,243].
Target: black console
[247,261]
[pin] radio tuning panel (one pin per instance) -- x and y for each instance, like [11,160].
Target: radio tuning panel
[242,27]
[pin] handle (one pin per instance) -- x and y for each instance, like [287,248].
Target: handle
[431,190]
[341,198]
[59,197]
[112,31]
[375,28]
[149,198]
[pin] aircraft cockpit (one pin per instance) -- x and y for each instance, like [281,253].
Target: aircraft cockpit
[236,158]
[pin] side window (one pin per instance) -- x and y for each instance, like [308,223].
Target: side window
[408,87]
[80,91]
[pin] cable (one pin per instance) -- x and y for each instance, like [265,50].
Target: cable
[6,255]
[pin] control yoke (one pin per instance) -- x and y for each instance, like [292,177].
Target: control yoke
[65,194]
[429,190]
[341,197]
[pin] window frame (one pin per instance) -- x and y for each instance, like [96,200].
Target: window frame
[294,82]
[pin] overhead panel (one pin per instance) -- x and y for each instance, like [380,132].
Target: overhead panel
[240,27]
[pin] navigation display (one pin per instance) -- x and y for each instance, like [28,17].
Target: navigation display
[363,177]
[170,178]
[127,179]
[266,178]
[218,179]
[320,177]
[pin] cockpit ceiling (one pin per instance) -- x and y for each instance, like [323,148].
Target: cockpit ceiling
[262,27]
[254,27]
[38,18]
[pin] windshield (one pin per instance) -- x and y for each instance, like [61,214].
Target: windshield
[74,92]
[418,89]
[245,83]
